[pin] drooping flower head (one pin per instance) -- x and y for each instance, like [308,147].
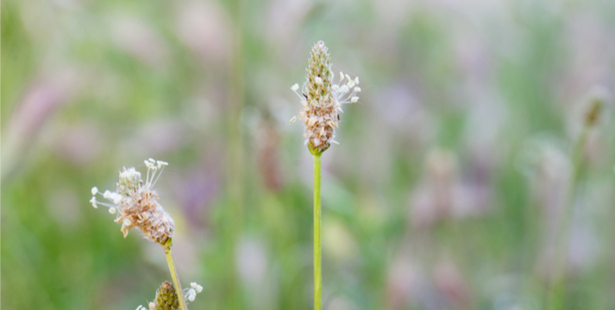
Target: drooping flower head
[322,99]
[135,203]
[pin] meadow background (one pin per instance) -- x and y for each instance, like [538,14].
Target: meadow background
[446,191]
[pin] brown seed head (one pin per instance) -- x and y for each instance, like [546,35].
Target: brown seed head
[136,204]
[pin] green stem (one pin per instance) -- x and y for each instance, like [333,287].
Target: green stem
[556,295]
[317,236]
[178,286]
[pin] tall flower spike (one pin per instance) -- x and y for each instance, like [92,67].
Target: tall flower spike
[322,100]
[135,203]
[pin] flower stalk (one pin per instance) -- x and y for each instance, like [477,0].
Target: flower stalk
[174,276]
[557,285]
[135,205]
[321,101]
[317,236]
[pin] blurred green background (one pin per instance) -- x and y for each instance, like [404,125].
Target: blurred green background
[447,191]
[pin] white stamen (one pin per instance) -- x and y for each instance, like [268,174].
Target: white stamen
[341,76]
[356,80]
[350,84]
[93,202]
[295,87]
[191,294]
[107,194]
[197,287]
[357,89]
[117,198]
[354,99]
[94,190]
[127,222]
[112,210]
[292,120]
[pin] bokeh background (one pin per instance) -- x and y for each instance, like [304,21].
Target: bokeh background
[454,174]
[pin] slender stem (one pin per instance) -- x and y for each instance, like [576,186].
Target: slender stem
[317,236]
[557,287]
[178,286]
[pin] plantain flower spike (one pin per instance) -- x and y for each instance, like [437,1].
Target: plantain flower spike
[322,100]
[135,203]
[166,297]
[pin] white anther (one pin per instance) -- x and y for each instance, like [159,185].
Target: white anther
[350,84]
[191,294]
[117,198]
[196,286]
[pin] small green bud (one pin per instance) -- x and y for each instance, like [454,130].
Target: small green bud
[166,297]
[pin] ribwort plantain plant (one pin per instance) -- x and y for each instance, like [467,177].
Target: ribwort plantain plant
[594,108]
[322,102]
[135,205]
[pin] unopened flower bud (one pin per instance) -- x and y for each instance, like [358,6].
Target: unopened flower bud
[166,297]
[597,98]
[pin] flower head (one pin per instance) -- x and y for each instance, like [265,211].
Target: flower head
[135,203]
[166,297]
[322,99]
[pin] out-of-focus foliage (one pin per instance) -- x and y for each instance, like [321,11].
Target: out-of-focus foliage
[446,192]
